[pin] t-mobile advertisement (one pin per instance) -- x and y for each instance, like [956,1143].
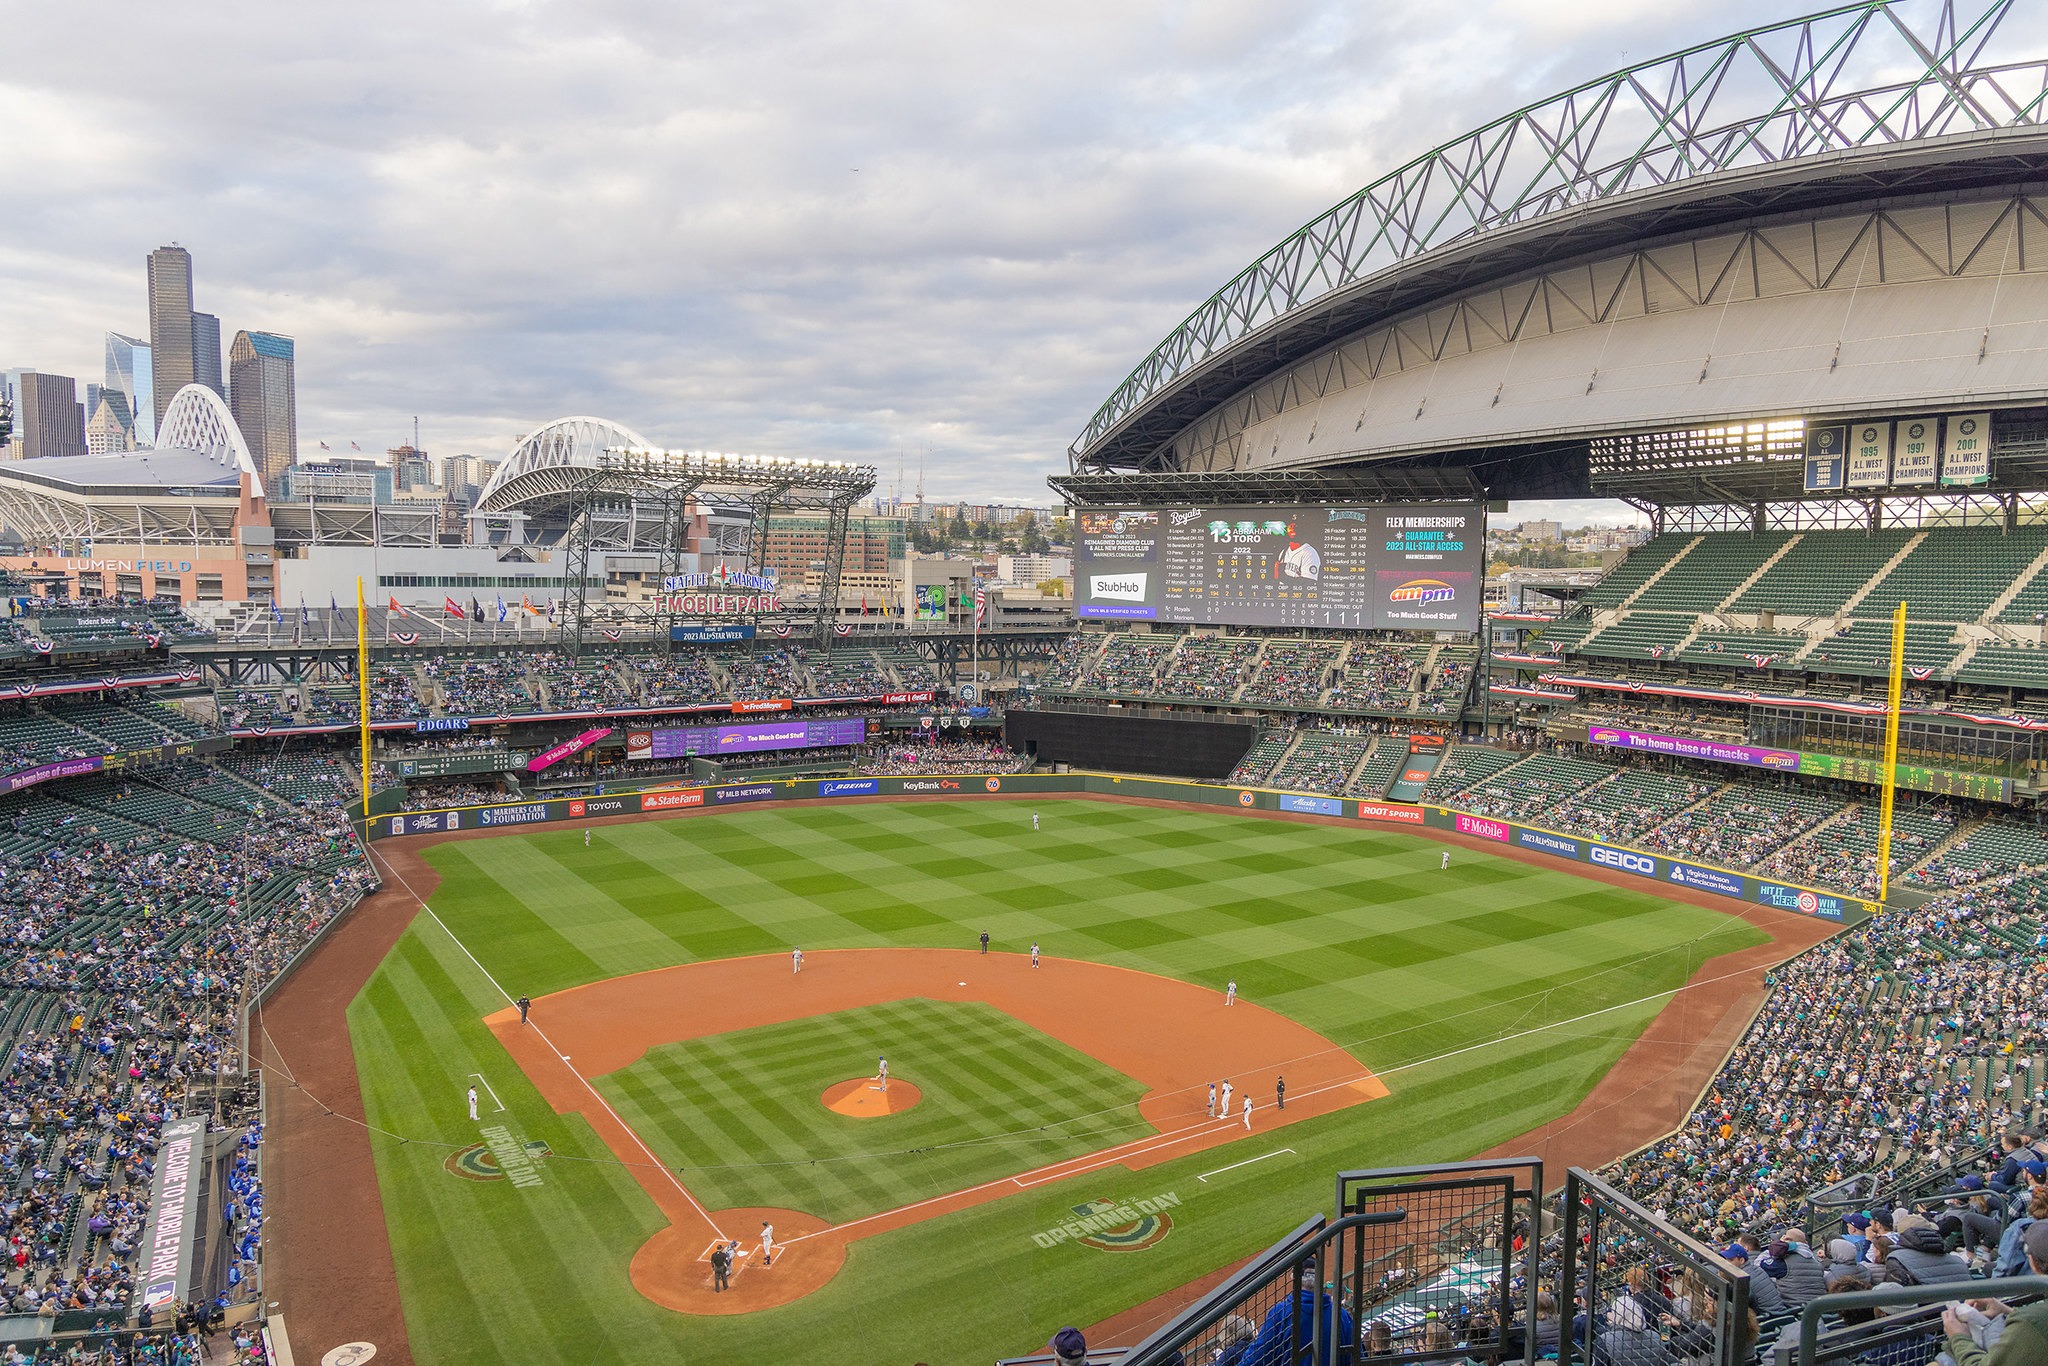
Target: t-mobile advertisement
[685,741]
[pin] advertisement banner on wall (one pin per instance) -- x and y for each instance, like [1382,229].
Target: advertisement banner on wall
[673,800]
[548,758]
[1387,811]
[165,1257]
[698,633]
[930,603]
[1548,843]
[1483,828]
[1966,449]
[1914,451]
[1691,747]
[680,742]
[1870,455]
[1705,879]
[1800,899]
[1314,806]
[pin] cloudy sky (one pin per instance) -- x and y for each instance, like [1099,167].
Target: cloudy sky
[899,232]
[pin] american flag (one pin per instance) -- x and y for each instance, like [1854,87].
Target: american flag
[981,604]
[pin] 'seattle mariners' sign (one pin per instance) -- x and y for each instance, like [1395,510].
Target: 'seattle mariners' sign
[167,1249]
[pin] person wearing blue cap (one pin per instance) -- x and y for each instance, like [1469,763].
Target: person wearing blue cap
[1069,1348]
[1763,1289]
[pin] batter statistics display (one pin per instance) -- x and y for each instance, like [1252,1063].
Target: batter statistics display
[1400,566]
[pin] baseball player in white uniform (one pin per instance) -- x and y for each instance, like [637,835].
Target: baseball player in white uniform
[1225,1111]
[796,961]
[472,1102]
[1230,993]
[1247,1109]
[882,1071]
[767,1244]
[1034,953]
[1447,860]
[1034,820]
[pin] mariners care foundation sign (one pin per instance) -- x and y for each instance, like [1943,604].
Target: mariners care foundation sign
[173,1237]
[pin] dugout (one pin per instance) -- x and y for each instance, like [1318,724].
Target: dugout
[1131,741]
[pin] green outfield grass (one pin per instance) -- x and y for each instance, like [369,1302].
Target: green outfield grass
[1467,990]
[754,1093]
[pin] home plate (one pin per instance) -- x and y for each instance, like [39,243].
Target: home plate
[959,984]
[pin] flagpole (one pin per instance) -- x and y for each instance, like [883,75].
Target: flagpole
[363,690]
[1891,756]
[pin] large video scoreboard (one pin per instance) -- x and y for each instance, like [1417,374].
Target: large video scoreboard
[1394,566]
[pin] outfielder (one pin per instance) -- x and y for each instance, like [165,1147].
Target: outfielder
[1447,860]
[1230,993]
[1034,953]
[1034,820]
[586,839]
[796,961]
[472,1102]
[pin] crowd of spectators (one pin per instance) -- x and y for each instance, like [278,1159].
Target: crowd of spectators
[1292,673]
[938,756]
[1378,677]
[479,685]
[127,949]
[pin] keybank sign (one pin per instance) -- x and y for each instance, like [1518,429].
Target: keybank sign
[1642,865]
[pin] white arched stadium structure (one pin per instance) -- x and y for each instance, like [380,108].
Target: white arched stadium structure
[198,419]
[1836,217]
[542,465]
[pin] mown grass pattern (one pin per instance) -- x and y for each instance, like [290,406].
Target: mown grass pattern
[1353,932]
[739,1114]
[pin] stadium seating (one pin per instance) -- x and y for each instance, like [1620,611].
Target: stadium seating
[1467,766]
[1257,765]
[1743,824]
[1381,767]
[1701,579]
[1209,668]
[1378,677]
[1639,635]
[1866,648]
[1821,573]
[1321,761]
[1632,801]
[1291,673]
[1637,569]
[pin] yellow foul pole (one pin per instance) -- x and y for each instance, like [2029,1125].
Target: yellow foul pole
[1891,755]
[363,689]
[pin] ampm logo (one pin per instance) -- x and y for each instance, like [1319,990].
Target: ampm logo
[1115,1225]
[1605,737]
[1125,587]
[1423,590]
[1627,860]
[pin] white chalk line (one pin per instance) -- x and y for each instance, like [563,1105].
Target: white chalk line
[1246,1163]
[486,1083]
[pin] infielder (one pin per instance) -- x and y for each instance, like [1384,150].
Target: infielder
[1212,1100]
[882,1071]
[472,1102]
[1034,953]
[1225,1111]
[796,961]
[1230,993]
[1247,1109]
[984,941]
[767,1244]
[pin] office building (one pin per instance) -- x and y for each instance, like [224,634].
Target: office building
[260,378]
[206,352]
[108,431]
[415,474]
[1032,570]
[170,327]
[47,419]
[336,481]
[129,375]
[796,543]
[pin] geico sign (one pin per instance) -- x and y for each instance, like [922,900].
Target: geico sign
[1628,862]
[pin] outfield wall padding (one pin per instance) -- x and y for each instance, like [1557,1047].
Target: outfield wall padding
[1652,868]
[1178,747]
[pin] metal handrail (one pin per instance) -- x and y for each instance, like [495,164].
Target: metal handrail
[1887,1297]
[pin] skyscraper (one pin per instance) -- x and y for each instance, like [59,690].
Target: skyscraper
[170,327]
[129,374]
[261,379]
[206,352]
[108,429]
[47,418]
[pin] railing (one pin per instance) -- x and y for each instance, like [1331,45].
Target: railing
[1638,1280]
[1896,1337]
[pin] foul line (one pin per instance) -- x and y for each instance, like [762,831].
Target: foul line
[492,1089]
[1246,1163]
[638,1142]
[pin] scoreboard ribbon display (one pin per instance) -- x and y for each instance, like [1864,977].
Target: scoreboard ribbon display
[1401,566]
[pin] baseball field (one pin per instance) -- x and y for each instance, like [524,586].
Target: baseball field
[1047,1155]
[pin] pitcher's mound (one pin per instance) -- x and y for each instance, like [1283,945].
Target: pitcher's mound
[864,1097]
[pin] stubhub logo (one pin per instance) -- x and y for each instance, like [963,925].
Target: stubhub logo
[1627,860]
[1129,587]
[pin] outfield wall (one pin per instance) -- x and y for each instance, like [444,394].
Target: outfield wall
[1652,868]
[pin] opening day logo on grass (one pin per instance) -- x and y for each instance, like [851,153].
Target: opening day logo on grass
[1115,1225]
[500,1156]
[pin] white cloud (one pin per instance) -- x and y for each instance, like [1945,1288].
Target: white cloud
[847,231]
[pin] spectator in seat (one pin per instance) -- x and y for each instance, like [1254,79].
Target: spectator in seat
[1763,1287]
[2012,1252]
[1922,1256]
[1629,1339]
[1233,1339]
[1803,1277]
[1284,1335]
[1845,1259]
[2025,1339]
[2023,1158]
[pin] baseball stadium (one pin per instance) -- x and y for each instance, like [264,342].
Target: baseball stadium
[1318,943]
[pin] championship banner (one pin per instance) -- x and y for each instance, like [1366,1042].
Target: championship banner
[1966,449]
[1870,455]
[1913,452]
[165,1257]
[1826,456]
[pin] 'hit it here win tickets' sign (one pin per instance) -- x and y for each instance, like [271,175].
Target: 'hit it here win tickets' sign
[1414,566]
